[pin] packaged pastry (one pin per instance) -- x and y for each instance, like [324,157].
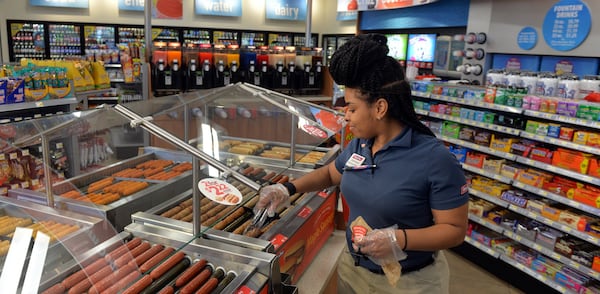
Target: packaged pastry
[392,268]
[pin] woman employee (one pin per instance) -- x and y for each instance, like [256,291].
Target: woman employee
[395,175]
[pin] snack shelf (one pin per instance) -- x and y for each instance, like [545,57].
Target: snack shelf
[544,250]
[566,119]
[558,170]
[489,198]
[492,175]
[480,148]
[421,111]
[549,252]
[555,224]
[559,142]
[474,123]
[534,274]
[488,224]
[557,198]
[479,104]
[37,104]
[535,216]
[482,247]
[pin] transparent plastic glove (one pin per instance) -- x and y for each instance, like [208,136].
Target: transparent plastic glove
[380,246]
[271,197]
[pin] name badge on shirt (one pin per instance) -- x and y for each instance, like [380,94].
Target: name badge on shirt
[355,160]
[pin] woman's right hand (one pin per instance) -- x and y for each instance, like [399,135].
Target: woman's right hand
[272,197]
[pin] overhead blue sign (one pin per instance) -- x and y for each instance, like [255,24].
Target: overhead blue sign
[61,3]
[346,15]
[567,24]
[286,9]
[135,5]
[527,38]
[219,7]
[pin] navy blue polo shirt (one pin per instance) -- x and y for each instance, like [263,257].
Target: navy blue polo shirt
[414,173]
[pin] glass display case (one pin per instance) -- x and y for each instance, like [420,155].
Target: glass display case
[193,140]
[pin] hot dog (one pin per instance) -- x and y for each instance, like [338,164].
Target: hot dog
[140,259]
[210,285]
[154,260]
[101,274]
[230,218]
[56,289]
[75,278]
[195,283]
[135,252]
[189,273]
[167,290]
[80,287]
[139,286]
[113,255]
[110,279]
[119,285]
[167,277]
[167,265]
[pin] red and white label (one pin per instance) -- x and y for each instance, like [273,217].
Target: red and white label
[314,131]
[358,232]
[278,240]
[220,191]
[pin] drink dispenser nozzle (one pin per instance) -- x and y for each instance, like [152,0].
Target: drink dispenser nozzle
[234,66]
[263,67]
[307,67]
[220,66]
[279,66]
[291,66]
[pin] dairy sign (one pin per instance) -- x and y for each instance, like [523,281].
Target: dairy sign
[61,3]
[286,9]
[219,7]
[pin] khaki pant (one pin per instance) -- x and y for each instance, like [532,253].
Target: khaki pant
[432,279]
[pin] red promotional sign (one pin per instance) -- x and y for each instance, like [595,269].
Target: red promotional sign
[362,5]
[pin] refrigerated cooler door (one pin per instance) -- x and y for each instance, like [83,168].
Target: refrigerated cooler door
[97,37]
[27,40]
[64,40]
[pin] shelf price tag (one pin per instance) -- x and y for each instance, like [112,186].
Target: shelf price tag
[39,104]
[556,255]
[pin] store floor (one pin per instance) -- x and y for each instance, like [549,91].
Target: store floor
[465,277]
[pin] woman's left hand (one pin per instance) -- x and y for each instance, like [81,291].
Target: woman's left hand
[380,246]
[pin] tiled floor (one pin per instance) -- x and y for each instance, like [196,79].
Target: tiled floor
[467,278]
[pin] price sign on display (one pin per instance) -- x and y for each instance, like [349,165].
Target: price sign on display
[220,191]
[314,131]
[567,24]
[527,38]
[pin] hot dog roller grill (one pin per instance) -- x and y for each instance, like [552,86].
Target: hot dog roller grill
[118,212]
[72,235]
[254,271]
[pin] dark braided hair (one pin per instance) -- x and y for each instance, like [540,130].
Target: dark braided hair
[362,63]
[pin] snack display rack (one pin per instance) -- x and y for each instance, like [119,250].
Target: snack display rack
[187,129]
